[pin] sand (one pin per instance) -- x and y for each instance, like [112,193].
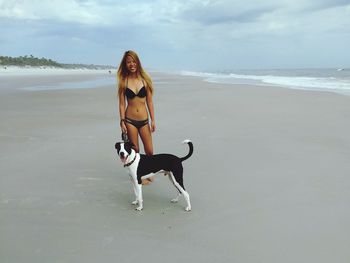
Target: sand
[269,178]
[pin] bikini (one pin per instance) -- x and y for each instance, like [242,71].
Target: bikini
[130,95]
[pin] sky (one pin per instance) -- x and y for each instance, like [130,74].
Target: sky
[198,35]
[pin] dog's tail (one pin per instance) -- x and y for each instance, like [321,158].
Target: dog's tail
[190,144]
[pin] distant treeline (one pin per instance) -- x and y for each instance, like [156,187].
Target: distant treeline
[32,61]
[28,61]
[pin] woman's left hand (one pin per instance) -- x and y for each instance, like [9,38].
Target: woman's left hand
[153,126]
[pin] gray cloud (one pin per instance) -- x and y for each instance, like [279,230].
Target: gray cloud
[177,34]
[222,14]
[309,6]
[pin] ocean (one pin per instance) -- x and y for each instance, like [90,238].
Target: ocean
[330,80]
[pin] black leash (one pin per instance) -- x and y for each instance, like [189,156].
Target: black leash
[125,137]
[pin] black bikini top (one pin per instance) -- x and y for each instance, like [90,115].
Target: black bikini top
[130,94]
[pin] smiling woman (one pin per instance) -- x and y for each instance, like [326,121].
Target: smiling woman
[135,92]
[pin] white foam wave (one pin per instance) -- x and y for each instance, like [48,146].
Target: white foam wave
[298,82]
[302,82]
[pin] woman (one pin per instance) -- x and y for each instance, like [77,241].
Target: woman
[135,92]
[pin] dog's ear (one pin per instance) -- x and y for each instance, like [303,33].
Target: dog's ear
[117,146]
[128,146]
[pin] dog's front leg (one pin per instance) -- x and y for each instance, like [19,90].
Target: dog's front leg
[135,192]
[139,196]
[134,183]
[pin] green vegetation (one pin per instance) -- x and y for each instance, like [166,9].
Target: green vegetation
[32,61]
[28,61]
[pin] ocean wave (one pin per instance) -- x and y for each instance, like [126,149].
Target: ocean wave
[329,83]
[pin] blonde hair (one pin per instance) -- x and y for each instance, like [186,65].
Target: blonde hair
[123,73]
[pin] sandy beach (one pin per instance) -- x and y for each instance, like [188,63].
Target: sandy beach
[269,177]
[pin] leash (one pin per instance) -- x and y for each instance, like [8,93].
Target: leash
[125,137]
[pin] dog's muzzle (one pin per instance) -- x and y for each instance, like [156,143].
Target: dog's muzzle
[123,157]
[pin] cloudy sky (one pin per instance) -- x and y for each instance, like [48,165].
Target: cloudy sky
[174,34]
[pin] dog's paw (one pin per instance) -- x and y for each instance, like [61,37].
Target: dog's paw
[175,200]
[134,202]
[188,209]
[139,208]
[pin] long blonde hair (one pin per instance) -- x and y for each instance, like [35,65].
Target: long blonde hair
[123,73]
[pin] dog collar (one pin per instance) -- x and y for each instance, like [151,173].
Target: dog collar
[128,164]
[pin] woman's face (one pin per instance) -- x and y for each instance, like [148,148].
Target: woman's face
[131,64]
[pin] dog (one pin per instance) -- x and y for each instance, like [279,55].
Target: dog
[142,166]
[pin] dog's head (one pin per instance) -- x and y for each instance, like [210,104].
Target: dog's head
[124,149]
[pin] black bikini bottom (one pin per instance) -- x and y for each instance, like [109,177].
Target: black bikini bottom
[137,124]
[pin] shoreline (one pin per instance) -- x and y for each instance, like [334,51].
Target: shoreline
[31,71]
[330,80]
[35,79]
[57,79]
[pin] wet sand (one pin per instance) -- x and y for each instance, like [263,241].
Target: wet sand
[268,180]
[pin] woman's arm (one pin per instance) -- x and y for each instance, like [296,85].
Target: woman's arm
[122,104]
[150,107]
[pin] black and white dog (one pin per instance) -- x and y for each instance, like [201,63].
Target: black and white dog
[143,166]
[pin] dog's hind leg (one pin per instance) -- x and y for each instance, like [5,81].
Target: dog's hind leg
[177,180]
[176,199]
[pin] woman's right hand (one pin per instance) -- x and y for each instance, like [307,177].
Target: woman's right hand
[123,127]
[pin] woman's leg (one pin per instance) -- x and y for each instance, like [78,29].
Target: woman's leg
[133,135]
[146,137]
